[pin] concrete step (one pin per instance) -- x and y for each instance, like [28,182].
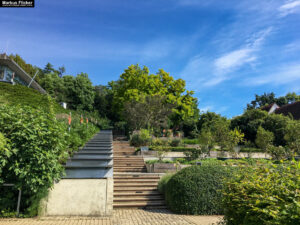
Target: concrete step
[137,189]
[130,170]
[138,198]
[89,163]
[135,184]
[138,204]
[88,173]
[116,180]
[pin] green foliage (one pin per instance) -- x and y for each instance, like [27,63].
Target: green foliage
[251,120]
[136,82]
[175,142]
[172,149]
[264,138]
[78,92]
[188,141]
[292,136]
[277,124]
[5,153]
[193,153]
[38,141]
[19,95]
[250,149]
[163,183]
[150,112]
[278,152]
[263,195]
[197,190]
[140,138]
[269,98]
[249,123]
[207,119]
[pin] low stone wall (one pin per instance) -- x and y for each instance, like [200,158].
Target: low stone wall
[164,167]
[151,155]
[80,197]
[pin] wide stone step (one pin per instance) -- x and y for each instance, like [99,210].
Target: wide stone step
[89,162]
[94,152]
[135,188]
[128,180]
[129,169]
[138,198]
[136,193]
[138,204]
[131,184]
[88,173]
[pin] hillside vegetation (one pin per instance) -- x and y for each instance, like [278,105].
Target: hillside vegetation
[21,95]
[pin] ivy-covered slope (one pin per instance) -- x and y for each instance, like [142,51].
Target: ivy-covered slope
[21,95]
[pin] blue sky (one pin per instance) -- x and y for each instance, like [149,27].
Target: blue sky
[227,51]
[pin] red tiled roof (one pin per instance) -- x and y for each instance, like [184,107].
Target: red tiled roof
[293,109]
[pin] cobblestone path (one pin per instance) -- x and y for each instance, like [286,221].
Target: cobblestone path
[120,217]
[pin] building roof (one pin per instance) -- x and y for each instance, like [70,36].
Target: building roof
[267,107]
[6,61]
[293,109]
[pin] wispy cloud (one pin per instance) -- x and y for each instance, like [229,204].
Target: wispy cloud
[234,59]
[289,8]
[286,75]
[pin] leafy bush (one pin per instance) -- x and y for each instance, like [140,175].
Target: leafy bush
[264,138]
[197,190]
[175,142]
[193,153]
[156,142]
[140,138]
[190,141]
[38,141]
[163,182]
[5,153]
[266,195]
[250,149]
[172,149]
[153,161]
[278,152]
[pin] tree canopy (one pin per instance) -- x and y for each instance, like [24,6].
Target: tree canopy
[136,83]
[269,98]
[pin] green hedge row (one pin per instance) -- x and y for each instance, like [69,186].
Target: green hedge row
[34,144]
[251,194]
[196,189]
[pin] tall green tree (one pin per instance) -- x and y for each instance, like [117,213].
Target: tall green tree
[269,98]
[264,139]
[137,82]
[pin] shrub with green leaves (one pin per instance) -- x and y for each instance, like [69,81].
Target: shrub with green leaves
[163,182]
[264,195]
[175,142]
[197,190]
[38,142]
[140,138]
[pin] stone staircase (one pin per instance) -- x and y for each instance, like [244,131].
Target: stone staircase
[125,159]
[94,160]
[133,186]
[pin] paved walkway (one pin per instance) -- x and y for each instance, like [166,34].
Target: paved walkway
[121,217]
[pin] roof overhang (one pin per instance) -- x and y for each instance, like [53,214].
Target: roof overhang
[6,61]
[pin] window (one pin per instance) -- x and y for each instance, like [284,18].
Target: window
[2,73]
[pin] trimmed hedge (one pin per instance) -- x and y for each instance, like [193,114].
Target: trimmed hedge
[197,190]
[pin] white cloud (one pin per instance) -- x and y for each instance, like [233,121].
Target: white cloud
[234,59]
[289,8]
[286,75]
[208,73]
